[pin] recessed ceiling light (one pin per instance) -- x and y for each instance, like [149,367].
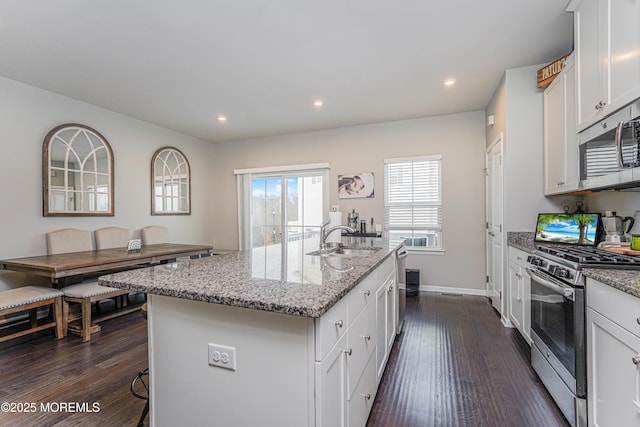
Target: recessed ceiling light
[222,118]
[450,82]
[318,103]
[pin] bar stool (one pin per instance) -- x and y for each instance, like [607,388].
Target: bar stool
[139,378]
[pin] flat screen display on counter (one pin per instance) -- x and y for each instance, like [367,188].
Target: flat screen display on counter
[573,229]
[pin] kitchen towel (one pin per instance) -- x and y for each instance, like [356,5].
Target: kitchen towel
[335,218]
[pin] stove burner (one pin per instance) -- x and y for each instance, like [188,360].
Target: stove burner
[587,256]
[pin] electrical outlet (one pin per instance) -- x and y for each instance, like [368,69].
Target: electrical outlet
[222,356]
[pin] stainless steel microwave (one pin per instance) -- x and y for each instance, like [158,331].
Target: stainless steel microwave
[609,151]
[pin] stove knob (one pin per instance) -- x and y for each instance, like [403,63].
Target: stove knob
[563,272]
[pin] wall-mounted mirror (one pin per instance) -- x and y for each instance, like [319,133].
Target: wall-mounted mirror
[170,183]
[77,172]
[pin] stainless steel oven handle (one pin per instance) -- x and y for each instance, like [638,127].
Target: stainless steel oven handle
[565,290]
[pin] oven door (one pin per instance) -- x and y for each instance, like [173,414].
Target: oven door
[557,320]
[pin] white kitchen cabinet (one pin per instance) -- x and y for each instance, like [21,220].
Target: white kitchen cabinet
[608,66]
[520,292]
[385,313]
[392,296]
[613,356]
[331,395]
[364,395]
[347,375]
[561,174]
[361,345]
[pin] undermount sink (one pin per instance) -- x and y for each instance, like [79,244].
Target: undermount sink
[346,251]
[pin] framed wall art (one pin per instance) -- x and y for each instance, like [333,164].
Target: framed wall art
[356,185]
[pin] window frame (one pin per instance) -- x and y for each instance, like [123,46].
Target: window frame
[437,229]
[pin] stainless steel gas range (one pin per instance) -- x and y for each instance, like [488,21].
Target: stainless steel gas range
[558,353]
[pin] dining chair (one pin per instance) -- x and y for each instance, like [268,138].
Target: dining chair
[71,240]
[68,240]
[111,237]
[155,234]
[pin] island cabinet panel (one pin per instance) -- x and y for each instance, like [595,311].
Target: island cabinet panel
[365,393]
[385,318]
[330,327]
[331,396]
[362,343]
[289,370]
[273,383]
[369,336]
[613,356]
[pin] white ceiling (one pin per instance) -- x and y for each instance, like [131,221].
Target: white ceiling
[262,63]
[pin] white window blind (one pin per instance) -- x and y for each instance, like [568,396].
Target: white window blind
[413,201]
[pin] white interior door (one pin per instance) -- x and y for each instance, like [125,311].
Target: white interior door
[494,204]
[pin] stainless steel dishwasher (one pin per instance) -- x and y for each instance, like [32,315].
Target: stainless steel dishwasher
[401,267]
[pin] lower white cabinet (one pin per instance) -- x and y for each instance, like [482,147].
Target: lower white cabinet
[385,319]
[520,292]
[347,375]
[613,356]
[331,394]
[362,399]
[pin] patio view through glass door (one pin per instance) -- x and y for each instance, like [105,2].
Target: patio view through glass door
[286,214]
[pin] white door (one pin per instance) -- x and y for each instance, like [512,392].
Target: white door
[494,204]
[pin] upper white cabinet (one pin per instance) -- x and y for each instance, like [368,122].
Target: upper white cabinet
[607,38]
[561,172]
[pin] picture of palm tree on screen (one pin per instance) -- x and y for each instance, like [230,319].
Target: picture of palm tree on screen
[580,228]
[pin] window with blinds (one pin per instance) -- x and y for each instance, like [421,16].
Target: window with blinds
[413,201]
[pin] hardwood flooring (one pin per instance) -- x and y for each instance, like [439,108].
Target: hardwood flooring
[454,365]
[43,370]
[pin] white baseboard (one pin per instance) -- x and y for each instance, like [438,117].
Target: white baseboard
[457,291]
[507,323]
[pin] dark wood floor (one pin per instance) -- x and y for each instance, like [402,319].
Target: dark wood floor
[44,370]
[454,365]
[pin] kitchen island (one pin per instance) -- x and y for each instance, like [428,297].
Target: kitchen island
[268,337]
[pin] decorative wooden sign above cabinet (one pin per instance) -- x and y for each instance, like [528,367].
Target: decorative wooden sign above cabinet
[548,73]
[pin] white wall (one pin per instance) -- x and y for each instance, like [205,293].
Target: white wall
[28,113]
[517,106]
[459,138]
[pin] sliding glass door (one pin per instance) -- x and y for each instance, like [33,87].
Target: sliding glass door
[286,211]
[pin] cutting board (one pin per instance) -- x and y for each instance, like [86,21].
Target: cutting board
[621,249]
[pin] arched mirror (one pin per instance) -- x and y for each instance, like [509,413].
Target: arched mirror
[170,183]
[77,169]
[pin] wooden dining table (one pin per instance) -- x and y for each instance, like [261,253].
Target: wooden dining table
[74,264]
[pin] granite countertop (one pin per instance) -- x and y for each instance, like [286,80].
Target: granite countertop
[305,286]
[625,280]
[522,240]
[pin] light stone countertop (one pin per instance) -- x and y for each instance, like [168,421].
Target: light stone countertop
[624,280]
[305,286]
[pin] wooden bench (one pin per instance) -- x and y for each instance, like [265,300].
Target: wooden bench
[85,294]
[29,298]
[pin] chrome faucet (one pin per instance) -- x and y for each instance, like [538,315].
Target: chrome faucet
[324,232]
